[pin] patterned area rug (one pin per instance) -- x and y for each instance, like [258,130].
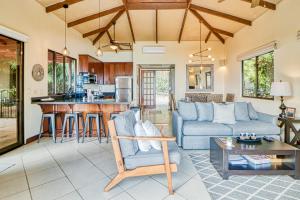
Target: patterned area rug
[244,187]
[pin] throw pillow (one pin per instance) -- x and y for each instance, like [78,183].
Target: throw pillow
[241,111]
[224,113]
[187,110]
[252,112]
[152,130]
[140,131]
[205,111]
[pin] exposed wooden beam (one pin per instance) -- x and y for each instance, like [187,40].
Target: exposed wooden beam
[129,20]
[114,19]
[99,30]
[154,6]
[156,1]
[264,4]
[221,14]
[183,21]
[223,32]
[94,16]
[59,5]
[200,18]
[109,36]
[156,25]
[208,36]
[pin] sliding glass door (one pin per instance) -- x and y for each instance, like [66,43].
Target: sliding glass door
[11,93]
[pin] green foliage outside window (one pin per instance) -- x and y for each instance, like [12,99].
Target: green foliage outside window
[60,69]
[258,75]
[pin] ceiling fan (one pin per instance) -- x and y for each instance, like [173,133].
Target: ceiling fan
[117,46]
[254,3]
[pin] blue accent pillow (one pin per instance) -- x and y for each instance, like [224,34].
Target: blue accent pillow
[205,111]
[252,112]
[187,110]
[241,111]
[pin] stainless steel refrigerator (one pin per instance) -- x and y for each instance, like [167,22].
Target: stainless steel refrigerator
[123,88]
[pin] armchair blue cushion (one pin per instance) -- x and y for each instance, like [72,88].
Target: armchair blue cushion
[124,124]
[152,157]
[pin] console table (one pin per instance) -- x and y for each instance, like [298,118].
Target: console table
[289,127]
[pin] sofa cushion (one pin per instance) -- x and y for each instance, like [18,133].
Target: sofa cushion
[252,112]
[124,124]
[241,111]
[224,113]
[205,111]
[254,126]
[187,110]
[205,128]
[152,157]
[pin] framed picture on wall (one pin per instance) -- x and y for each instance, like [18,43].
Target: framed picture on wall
[290,112]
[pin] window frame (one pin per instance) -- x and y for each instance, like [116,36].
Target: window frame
[257,79]
[64,70]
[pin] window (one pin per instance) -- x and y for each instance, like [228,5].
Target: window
[61,73]
[258,75]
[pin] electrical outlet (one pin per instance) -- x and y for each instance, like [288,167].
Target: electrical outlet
[298,35]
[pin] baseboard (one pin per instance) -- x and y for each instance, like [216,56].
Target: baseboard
[32,139]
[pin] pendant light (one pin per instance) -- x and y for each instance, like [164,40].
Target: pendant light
[65,51]
[113,46]
[201,51]
[99,50]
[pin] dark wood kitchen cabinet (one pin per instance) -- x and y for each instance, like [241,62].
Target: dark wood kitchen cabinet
[112,70]
[93,66]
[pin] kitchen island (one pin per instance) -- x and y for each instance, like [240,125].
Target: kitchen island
[63,105]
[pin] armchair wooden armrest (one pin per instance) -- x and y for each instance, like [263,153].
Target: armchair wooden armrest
[158,138]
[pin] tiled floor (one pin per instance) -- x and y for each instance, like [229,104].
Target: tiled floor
[71,171]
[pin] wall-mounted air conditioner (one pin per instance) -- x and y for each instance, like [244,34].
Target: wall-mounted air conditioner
[154,49]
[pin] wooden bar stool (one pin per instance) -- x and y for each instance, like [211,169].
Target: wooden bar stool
[100,127]
[51,117]
[73,119]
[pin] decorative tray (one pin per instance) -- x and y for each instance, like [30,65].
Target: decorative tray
[257,140]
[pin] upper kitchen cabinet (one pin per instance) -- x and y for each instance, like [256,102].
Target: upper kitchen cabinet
[112,70]
[92,65]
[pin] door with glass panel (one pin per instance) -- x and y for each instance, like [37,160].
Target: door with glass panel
[11,93]
[148,89]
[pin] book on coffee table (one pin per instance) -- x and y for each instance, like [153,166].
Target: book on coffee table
[258,159]
[237,160]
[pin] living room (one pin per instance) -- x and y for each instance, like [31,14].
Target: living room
[232,96]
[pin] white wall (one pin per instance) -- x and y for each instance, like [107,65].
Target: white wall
[45,31]
[177,53]
[281,25]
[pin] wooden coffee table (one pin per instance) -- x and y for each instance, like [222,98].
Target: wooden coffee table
[219,155]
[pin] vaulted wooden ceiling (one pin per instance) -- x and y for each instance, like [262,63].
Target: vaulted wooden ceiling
[159,20]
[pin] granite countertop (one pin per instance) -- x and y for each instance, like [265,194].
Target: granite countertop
[38,100]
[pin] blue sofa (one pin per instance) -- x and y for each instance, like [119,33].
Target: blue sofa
[193,124]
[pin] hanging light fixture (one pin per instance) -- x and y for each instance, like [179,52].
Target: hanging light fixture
[65,51]
[199,54]
[99,50]
[113,46]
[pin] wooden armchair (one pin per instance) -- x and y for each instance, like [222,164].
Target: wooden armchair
[166,163]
